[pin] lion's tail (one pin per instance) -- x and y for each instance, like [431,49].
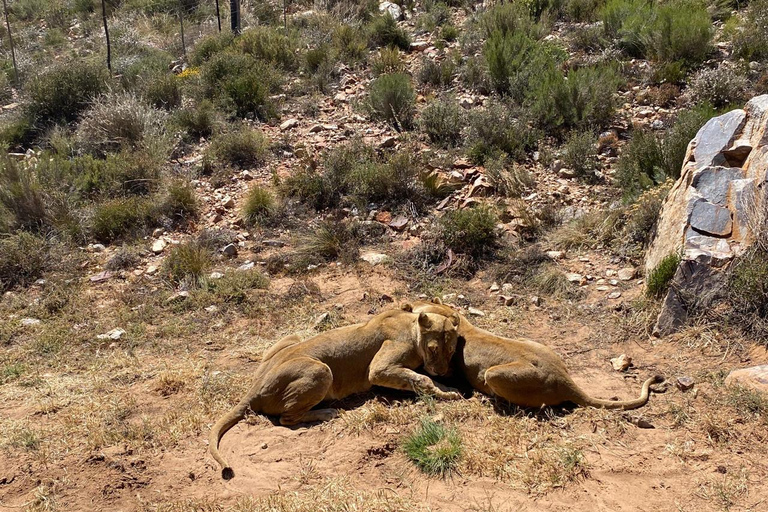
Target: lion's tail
[582,398]
[221,427]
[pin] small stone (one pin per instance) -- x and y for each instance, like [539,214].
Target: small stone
[228,202]
[603,288]
[288,124]
[393,9]
[621,363]
[475,312]
[114,334]
[273,243]
[216,275]
[507,300]
[229,250]
[566,173]
[494,287]
[536,300]
[157,232]
[96,248]
[614,295]
[158,246]
[248,265]
[316,128]
[419,46]
[507,289]
[399,223]
[626,274]
[573,277]
[755,377]
[322,319]
[213,308]
[178,297]
[387,142]
[101,276]
[28,322]
[151,270]
[556,255]
[685,383]
[374,258]
[263,446]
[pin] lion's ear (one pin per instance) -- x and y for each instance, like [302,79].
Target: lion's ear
[407,306]
[424,321]
[437,300]
[455,319]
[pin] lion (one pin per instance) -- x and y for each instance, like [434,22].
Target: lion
[518,370]
[294,375]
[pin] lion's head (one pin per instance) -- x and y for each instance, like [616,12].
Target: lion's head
[437,342]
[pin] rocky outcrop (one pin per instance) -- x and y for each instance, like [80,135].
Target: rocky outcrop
[713,212]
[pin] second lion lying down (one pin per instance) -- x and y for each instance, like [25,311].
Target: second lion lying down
[294,375]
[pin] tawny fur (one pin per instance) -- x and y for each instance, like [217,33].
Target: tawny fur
[294,375]
[521,371]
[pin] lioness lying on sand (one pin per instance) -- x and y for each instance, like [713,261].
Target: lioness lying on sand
[294,375]
[521,371]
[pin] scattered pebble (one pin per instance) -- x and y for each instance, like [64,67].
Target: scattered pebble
[621,363]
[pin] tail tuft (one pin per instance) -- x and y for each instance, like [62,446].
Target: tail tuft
[227,473]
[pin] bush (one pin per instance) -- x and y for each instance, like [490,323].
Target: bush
[125,173]
[350,42]
[209,46]
[259,205]
[475,75]
[186,263]
[125,257]
[582,10]
[471,232]
[435,449]
[585,99]
[497,130]
[679,30]
[751,42]
[383,31]
[660,277]
[23,197]
[509,18]
[392,99]
[516,61]
[436,74]
[202,120]
[331,240]
[443,120]
[748,291]
[270,45]
[163,92]
[721,87]
[120,120]
[23,259]
[241,84]
[580,154]
[180,202]
[122,218]
[233,287]
[61,93]
[242,148]
[387,61]
[509,180]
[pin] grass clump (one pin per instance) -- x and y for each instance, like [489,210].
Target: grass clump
[24,257]
[435,449]
[187,263]
[241,148]
[499,130]
[580,154]
[748,292]
[122,218]
[331,240]
[180,202]
[387,61]
[270,45]
[471,232]
[751,42]
[163,92]
[234,286]
[383,31]
[659,278]
[200,121]
[392,99]
[436,74]
[443,120]
[259,205]
[507,178]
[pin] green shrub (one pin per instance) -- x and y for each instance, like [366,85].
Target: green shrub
[187,263]
[659,278]
[509,18]
[436,74]
[125,173]
[582,10]
[435,449]
[61,93]
[331,240]
[126,257]
[233,287]
[241,84]
[23,197]
[471,232]
[720,87]
[449,33]
[383,31]
[122,218]
[387,61]
[443,120]
[508,179]
[23,259]
[498,129]
[259,205]
[748,292]
[120,120]
[244,147]
[180,202]
[392,99]
[209,46]
[270,45]
[580,154]
[350,42]
[641,164]
[475,75]
[515,62]
[751,42]
[585,99]
[163,92]
[436,15]
[201,120]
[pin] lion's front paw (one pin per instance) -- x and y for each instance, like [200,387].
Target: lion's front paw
[450,395]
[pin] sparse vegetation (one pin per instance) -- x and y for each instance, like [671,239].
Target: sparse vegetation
[391,99]
[659,278]
[243,147]
[434,448]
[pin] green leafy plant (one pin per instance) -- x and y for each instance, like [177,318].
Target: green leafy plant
[659,277]
[435,449]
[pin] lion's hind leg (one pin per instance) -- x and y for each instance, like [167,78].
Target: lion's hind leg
[294,388]
[522,383]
